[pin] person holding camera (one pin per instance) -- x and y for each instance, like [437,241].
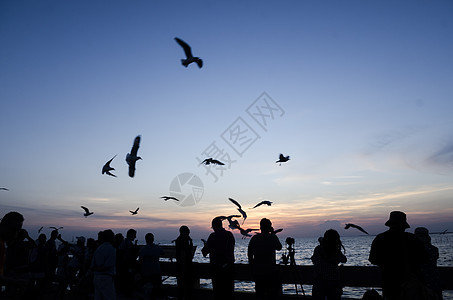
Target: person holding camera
[261,256]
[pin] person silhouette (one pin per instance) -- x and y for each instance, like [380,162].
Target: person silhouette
[150,267]
[103,266]
[184,256]
[399,255]
[10,228]
[220,247]
[429,269]
[261,257]
[326,257]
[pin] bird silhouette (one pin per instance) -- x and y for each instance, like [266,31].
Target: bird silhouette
[55,228]
[355,226]
[245,232]
[268,203]
[189,57]
[134,212]
[244,215]
[4,189]
[131,158]
[282,159]
[210,160]
[107,168]
[166,198]
[233,224]
[87,211]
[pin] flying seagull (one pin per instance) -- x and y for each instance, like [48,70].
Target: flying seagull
[244,215]
[245,232]
[134,212]
[55,228]
[166,198]
[282,159]
[233,224]
[132,157]
[210,160]
[189,57]
[356,227]
[87,211]
[268,203]
[4,189]
[107,168]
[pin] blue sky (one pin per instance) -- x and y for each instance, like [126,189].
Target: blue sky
[364,90]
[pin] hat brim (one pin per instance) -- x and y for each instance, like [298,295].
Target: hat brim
[391,223]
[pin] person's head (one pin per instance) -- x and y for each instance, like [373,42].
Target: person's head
[42,239]
[10,225]
[331,240]
[397,221]
[149,238]
[80,241]
[108,236]
[216,223]
[422,234]
[54,234]
[265,225]
[131,234]
[184,230]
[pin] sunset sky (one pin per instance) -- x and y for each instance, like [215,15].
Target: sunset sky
[358,93]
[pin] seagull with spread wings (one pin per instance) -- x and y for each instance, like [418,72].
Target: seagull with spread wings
[282,159]
[55,228]
[243,213]
[107,168]
[87,211]
[355,226]
[134,212]
[189,57]
[210,160]
[4,189]
[166,198]
[131,158]
[268,203]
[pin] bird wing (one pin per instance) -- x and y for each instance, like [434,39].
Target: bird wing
[132,168]
[281,157]
[108,163]
[347,226]
[137,209]
[200,63]
[217,162]
[235,202]
[185,46]
[86,209]
[134,149]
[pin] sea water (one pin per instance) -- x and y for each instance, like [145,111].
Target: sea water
[357,252]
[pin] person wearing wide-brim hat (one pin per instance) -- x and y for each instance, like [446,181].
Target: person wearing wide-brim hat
[399,255]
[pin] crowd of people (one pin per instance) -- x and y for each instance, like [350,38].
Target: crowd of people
[114,264]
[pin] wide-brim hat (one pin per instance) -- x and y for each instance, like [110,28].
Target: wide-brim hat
[397,218]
